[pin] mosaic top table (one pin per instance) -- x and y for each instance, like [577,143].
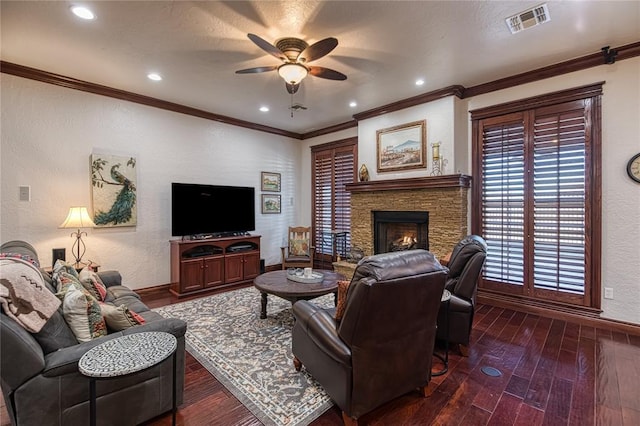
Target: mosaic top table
[127,355]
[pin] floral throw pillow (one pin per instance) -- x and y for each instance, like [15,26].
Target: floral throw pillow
[62,267]
[82,312]
[92,282]
[299,247]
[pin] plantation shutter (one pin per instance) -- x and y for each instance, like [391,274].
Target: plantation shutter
[333,167]
[323,197]
[559,158]
[503,198]
[538,196]
[344,174]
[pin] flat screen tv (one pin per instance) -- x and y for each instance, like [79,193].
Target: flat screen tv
[198,209]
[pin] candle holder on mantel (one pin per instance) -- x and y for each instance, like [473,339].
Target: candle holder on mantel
[437,162]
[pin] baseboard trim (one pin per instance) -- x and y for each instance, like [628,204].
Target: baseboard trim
[582,317]
[162,289]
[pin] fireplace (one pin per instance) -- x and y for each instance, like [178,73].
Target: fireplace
[400,230]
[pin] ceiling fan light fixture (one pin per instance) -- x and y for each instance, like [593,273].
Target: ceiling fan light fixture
[292,73]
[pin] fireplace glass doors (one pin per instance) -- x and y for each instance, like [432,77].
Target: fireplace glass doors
[400,230]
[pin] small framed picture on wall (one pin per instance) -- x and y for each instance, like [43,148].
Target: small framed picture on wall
[270,182]
[270,203]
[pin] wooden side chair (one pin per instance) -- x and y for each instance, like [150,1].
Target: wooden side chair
[299,252]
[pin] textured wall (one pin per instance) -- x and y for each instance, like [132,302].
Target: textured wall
[447,209]
[48,134]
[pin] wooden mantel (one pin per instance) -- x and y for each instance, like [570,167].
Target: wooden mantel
[444,181]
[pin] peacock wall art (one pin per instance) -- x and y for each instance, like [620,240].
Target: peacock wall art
[113,190]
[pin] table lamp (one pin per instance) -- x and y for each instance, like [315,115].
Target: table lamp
[78,217]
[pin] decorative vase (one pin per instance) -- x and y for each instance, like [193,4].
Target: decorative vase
[363,174]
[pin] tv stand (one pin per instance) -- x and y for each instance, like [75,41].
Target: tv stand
[202,265]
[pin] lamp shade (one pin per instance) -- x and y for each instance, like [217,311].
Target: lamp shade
[293,73]
[78,217]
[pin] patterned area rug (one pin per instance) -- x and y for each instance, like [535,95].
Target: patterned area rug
[251,356]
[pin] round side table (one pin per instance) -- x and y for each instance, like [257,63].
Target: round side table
[446,299]
[127,355]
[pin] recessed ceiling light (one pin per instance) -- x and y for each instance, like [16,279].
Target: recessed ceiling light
[264,108]
[154,76]
[353,104]
[419,82]
[82,12]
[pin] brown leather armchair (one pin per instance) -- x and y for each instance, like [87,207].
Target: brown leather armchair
[465,265]
[382,348]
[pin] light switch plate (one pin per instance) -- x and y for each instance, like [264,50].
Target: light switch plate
[608,293]
[25,193]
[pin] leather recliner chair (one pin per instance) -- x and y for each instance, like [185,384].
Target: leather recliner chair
[383,346]
[465,265]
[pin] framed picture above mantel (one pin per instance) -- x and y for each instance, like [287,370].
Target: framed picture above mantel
[402,147]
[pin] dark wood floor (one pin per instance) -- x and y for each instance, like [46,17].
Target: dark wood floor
[553,373]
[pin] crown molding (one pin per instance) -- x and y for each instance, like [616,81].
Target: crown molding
[424,98]
[97,89]
[330,129]
[596,59]
[577,64]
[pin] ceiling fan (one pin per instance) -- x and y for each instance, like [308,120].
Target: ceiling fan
[295,54]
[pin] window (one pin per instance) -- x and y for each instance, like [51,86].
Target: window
[537,196]
[334,165]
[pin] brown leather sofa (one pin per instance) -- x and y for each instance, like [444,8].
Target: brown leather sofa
[383,346]
[465,265]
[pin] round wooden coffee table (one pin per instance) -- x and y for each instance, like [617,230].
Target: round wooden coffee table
[276,283]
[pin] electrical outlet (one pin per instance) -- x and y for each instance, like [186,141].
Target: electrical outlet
[608,293]
[58,253]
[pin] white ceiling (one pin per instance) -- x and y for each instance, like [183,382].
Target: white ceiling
[384,46]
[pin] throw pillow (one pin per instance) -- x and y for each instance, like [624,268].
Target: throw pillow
[343,289]
[299,247]
[92,282]
[120,318]
[62,266]
[82,312]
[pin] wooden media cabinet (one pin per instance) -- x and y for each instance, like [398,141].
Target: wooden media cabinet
[202,265]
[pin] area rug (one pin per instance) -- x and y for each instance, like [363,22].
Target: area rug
[250,356]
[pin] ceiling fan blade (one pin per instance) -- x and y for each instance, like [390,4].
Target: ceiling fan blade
[292,88]
[267,47]
[319,49]
[326,73]
[257,70]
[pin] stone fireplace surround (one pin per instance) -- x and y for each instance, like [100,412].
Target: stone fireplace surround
[445,198]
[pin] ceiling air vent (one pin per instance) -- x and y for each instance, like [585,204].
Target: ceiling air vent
[529,18]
